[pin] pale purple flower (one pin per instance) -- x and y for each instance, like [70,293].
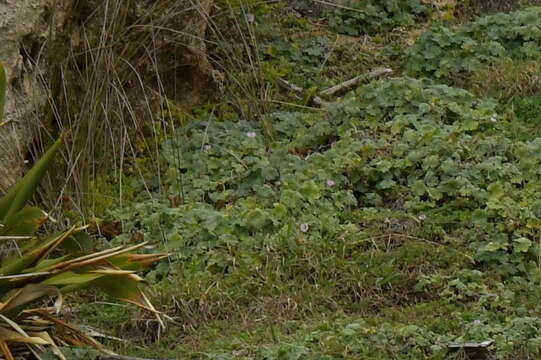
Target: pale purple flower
[251,134]
[207,147]
[304,227]
[330,183]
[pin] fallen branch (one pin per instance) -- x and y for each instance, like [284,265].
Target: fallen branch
[292,87]
[120,357]
[351,82]
[334,89]
[331,4]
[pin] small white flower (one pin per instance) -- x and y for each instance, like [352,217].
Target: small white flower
[304,227]
[494,118]
[330,183]
[422,217]
[207,147]
[477,322]
[250,18]
[251,134]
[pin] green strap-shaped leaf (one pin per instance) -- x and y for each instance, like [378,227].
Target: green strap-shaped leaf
[71,277]
[46,264]
[20,193]
[24,223]
[78,242]
[123,287]
[136,262]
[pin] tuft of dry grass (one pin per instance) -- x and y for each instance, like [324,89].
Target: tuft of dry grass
[470,9]
[507,80]
[110,78]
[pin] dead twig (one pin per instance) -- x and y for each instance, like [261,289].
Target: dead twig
[351,82]
[331,4]
[334,89]
[121,357]
[290,86]
[300,91]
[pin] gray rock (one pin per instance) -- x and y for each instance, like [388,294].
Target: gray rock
[25,26]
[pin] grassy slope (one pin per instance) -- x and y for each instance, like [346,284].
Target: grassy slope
[301,233]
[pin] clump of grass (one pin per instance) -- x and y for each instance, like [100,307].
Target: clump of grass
[300,280]
[234,38]
[485,7]
[123,77]
[114,69]
[507,80]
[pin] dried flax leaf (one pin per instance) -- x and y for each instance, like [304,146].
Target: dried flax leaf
[5,350]
[25,295]
[45,336]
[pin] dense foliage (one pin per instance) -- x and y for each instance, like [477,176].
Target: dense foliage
[400,219]
[400,146]
[399,158]
[439,153]
[452,55]
[372,16]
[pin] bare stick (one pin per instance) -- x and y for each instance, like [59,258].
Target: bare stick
[292,87]
[120,357]
[319,101]
[351,82]
[336,5]
[289,86]
[334,89]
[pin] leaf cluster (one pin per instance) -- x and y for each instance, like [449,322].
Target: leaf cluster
[452,55]
[399,148]
[373,16]
[437,151]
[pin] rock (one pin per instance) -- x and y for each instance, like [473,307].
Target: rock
[25,26]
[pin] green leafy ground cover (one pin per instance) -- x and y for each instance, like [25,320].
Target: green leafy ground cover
[369,17]
[452,55]
[400,219]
